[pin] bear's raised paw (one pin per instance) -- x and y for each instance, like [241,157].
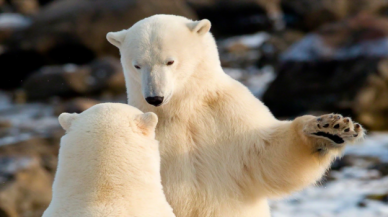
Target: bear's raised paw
[335,129]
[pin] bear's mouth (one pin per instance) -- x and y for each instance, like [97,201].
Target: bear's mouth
[332,137]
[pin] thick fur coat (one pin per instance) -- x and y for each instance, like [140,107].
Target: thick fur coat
[222,151]
[109,165]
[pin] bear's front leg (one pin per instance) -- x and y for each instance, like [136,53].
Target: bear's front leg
[299,152]
[331,131]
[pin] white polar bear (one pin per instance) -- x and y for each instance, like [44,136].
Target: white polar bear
[109,165]
[223,152]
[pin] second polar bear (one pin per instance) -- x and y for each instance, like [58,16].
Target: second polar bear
[223,153]
[108,165]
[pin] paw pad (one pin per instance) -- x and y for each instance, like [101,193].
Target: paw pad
[336,128]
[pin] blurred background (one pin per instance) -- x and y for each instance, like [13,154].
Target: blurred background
[297,56]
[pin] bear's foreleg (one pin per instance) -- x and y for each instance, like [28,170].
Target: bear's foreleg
[297,153]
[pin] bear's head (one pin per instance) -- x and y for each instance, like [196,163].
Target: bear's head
[108,118]
[162,52]
[106,141]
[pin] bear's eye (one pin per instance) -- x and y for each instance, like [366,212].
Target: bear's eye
[136,66]
[169,63]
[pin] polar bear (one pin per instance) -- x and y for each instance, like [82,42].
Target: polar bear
[223,153]
[109,165]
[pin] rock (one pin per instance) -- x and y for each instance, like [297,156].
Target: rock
[57,34]
[5,124]
[76,105]
[241,51]
[70,79]
[340,163]
[26,173]
[379,197]
[369,36]
[57,81]
[18,194]
[26,6]
[325,71]
[365,162]
[231,17]
[17,72]
[277,43]
[100,16]
[371,104]
[259,49]
[310,15]
[327,86]
[381,167]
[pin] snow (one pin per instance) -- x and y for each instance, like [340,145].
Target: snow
[250,41]
[26,120]
[375,145]
[13,21]
[257,80]
[347,195]
[312,47]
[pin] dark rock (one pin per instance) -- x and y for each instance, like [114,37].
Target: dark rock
[361,204]
[379,197]
[235,20]
[76,105]
[26,176]
[57,81]
[239,17]
[340,163]
[277,44]
[382,168]
[28,193]
[361,36]
[259,49]
[310,15]
[74,31]
[18,64]
[70,80]
[241,51]
[371,106]
[26,6]
[5,124]
[326,70]
[62,23]
[317,86]
[366,162]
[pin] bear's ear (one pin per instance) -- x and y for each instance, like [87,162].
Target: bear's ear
[147,123]
[66,119]
[116,38]
[201,27]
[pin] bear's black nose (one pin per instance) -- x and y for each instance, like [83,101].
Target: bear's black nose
[155,100]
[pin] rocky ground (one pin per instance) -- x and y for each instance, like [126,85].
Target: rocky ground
[356,186]
[298,56]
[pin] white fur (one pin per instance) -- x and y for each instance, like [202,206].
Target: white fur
[223,152]
[109,165]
